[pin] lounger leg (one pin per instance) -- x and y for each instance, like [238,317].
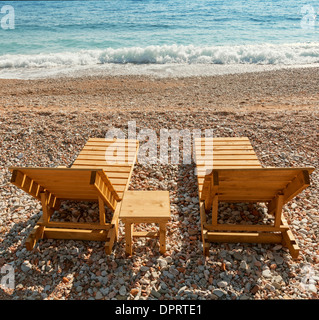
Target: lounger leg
[128,238]
[289,241]
[111,236]
[205,244]
[47,211]
[215,210]
[115,221]
[102,211]
[278,210]
[34,236]
[203,231]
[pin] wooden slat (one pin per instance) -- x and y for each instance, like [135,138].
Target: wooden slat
[75,234]
[148,234]
[112,140]
[128,157]
[231,157]
[109,200]
[107,168]
[254,184]
[269,174]
[222,139]
[230,162]
[75,225]
[201,153]
[117,175]
[199,150]
[245,227]
[117,162]
[223,143]
[109,185]
[99,163]
[235,237]
[202,170]
[124,142]
[87,149]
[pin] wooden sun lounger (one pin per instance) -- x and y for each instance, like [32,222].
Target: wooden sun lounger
[92,177]
[231,172]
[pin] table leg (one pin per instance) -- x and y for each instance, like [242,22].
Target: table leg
[128,238]
[162,236]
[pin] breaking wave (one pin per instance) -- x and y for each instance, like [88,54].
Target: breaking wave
[263,54]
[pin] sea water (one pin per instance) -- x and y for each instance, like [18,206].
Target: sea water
[156,37]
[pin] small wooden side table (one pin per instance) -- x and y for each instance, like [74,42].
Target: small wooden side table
[145,207]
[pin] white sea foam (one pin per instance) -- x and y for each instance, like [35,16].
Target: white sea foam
[164,59]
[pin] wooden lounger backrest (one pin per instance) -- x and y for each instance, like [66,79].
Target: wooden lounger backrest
[65,183]
[255,185]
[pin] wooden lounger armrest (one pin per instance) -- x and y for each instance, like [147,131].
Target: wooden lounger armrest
[104,188]
[297,185]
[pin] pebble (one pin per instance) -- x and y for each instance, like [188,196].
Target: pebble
[270,287]
[243,265]
[81,270]
[155,294]
[277,247]
[162,263]
[99,296]
[222,284]
[79,288]
[144,269]
[237,256]
[267,273]
[219,293]
[312,288]
[26,266]
[279,259]
[254,289]
[181,290]
[122,291]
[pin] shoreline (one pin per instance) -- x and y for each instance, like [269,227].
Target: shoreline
[287,89]
[158,71]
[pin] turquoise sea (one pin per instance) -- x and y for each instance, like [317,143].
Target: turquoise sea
[44,38]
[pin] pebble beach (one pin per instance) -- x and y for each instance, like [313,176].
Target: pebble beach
[46,122]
